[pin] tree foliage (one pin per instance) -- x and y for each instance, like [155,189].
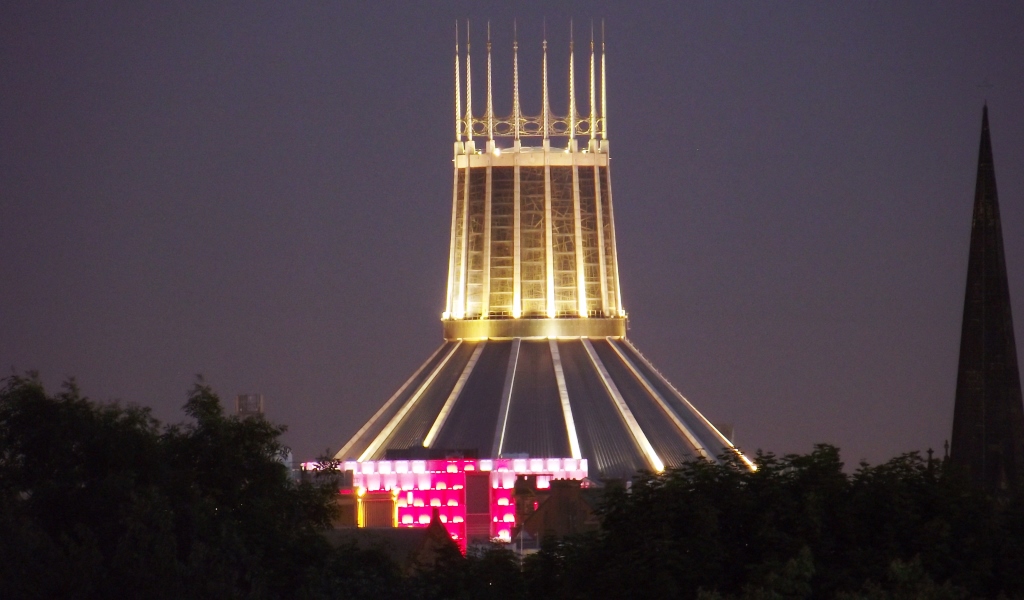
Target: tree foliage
[101,501]
[797,527]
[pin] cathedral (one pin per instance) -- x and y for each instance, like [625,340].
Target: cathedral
[536,376]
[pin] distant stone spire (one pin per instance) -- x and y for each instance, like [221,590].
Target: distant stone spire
[988,417]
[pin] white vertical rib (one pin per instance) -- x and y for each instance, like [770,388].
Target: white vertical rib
[581,281]
[341,453]
[725,441]
[449,306]
[617,290]
[699,447]
[548,238]
[627,415]
[485,284]
[460,311]
[517,284]
[435,429]
[506,399]
[601,261]
[395,420]
[563,395]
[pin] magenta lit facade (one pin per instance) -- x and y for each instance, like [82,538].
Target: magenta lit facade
[473,497]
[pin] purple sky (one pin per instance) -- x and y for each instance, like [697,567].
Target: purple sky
[260,192]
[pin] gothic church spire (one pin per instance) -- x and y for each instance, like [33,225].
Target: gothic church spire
[988,417]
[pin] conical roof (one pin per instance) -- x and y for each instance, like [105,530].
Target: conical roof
[598,399]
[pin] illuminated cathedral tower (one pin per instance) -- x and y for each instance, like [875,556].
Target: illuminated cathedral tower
[535,361]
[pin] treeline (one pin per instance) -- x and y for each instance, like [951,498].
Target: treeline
[798,527]
[103,501]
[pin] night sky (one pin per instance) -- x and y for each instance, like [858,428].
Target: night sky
[260,192]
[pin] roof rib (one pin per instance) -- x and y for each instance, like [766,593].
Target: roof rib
[627,415]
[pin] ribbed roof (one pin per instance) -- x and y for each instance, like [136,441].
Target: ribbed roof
[596,398]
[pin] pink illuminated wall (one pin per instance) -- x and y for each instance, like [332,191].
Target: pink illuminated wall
[421,486]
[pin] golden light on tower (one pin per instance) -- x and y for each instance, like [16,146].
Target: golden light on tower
[532,234]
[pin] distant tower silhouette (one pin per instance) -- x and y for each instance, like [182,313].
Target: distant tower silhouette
[988,418]
[249,405]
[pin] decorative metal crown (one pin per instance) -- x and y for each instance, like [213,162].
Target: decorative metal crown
[517,125]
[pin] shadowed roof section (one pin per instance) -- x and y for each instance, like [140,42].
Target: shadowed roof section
[509,404]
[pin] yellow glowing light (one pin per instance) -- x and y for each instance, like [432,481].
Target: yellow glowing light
[497,151]
[360,491]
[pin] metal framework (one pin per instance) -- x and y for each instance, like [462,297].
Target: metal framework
[532,228]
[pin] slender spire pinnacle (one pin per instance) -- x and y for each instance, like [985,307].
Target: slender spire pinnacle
[458,91]
[490,100]
[516,111]
[545,108]
[988,416]
[469,89]
[572,87]
[593,96]
[604,88]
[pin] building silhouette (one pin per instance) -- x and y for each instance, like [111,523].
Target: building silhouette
[988,417]
[536,377]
